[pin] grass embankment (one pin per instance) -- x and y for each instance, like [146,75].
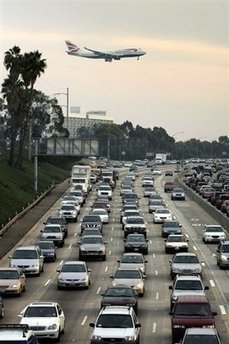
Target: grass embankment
[17,185]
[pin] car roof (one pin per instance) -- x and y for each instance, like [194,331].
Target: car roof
[29,247]
[188,277]
[42,303]
[185,254]
[201,330]
[116,310]
[76,262]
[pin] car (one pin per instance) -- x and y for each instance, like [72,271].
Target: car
[169,173]
[186,285]
[48,250]
[17,333]
[12,281]
[127,207]
[71,200]
[130,276]
[105,189]
[148,191]
[170,227]
[178,194]
[199,335]
[169,186]
[103,200]
[58,220]
[156,171]
[129,213]
[69,212]
[156,204]
[136,243]
[79,194]
[130,197]
[213,234]
[92,246]
[222,254]
[125,188]
[160,215]
[102,213]
[29,259]
[46,319]
[176,242]
[120,295]
[190,311]
[54,233]
[91,221]
[186,264]
[135,224]
[98,204]
[73,274]
[118,324]
[93,178]
[147,180]
[133,260]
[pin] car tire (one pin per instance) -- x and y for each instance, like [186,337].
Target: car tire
[2,313]
[104,258]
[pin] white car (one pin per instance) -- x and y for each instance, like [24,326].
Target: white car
[160,215]
[105,190]
[102,213]
[213,233]
[156,172]
[46,319]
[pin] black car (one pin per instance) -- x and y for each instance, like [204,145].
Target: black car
[136,243]
[91,221]
[48,250]
[120,295]
[170,227]
[58,220]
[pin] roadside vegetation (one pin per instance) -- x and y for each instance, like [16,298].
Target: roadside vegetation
[17,185]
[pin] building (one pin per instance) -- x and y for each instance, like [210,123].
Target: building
[77,121]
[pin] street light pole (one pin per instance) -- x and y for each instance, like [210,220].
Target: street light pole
[67,105]
[173,136]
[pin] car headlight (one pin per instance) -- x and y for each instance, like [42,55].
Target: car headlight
[52,327]
[94,337]
[178,326]
[138,285]
[130,338]
[223,257]
[82,248]
[84,279]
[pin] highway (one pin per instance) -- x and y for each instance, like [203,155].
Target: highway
[82,306]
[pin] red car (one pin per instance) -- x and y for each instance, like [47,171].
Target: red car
[169,186]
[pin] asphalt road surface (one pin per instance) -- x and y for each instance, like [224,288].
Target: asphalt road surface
[82,306]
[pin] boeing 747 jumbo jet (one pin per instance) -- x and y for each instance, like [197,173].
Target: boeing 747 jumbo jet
[108,56]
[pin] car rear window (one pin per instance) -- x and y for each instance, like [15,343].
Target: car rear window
[193,309]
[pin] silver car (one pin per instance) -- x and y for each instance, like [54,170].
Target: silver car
[92,246]
[73,274]
[222,254]
[186,264]
[130,276]
[29,259]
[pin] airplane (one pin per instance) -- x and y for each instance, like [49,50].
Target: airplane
[108,56]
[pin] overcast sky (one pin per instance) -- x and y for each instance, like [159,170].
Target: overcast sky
[181,84]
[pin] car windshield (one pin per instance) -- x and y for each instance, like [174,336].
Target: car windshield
[214,229]
[177,238]
[25,254]
[186,260]
[8,274]
[135,238]
[73,268]
[171,224]
[188,285]
[132,259]
[40,312]
[225,248]
[52,229]
[127,274]
[131,213]
[162,211]
[200,338]
[193,309]
[67,207]
[46,245]
[114,321]
[56,220]
[135,220]
[91,219]
[92,240]
[119,292]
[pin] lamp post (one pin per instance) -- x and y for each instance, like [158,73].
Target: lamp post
[173,136]
[67,104]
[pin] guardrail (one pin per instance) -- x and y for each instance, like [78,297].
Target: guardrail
[25,210]
[218,216]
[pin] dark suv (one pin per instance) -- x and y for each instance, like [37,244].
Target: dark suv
[190,311]
[91,221]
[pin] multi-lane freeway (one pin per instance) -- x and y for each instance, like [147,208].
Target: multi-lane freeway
[81,306]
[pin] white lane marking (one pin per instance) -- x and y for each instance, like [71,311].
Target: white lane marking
[61,262]
[49,280]
[154,255]
[156,272]
[154,327]
[112,228]
[194,248]
[212,283]
[150,242]
[106,268]
[109,253]
[111,239]
[75,234]
[157,295]
[84,320]
[70,246]
[98,291]
[222,309]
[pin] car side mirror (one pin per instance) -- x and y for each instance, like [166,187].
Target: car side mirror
[214,313]
[206,287]
[111,276]
[92,325]
[118,261]
[58,270]
[138,325]
[218,251]
[171,313]
[171,287]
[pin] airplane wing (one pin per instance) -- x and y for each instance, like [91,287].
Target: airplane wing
[106,56]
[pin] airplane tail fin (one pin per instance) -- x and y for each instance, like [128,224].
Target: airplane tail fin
[72,48]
